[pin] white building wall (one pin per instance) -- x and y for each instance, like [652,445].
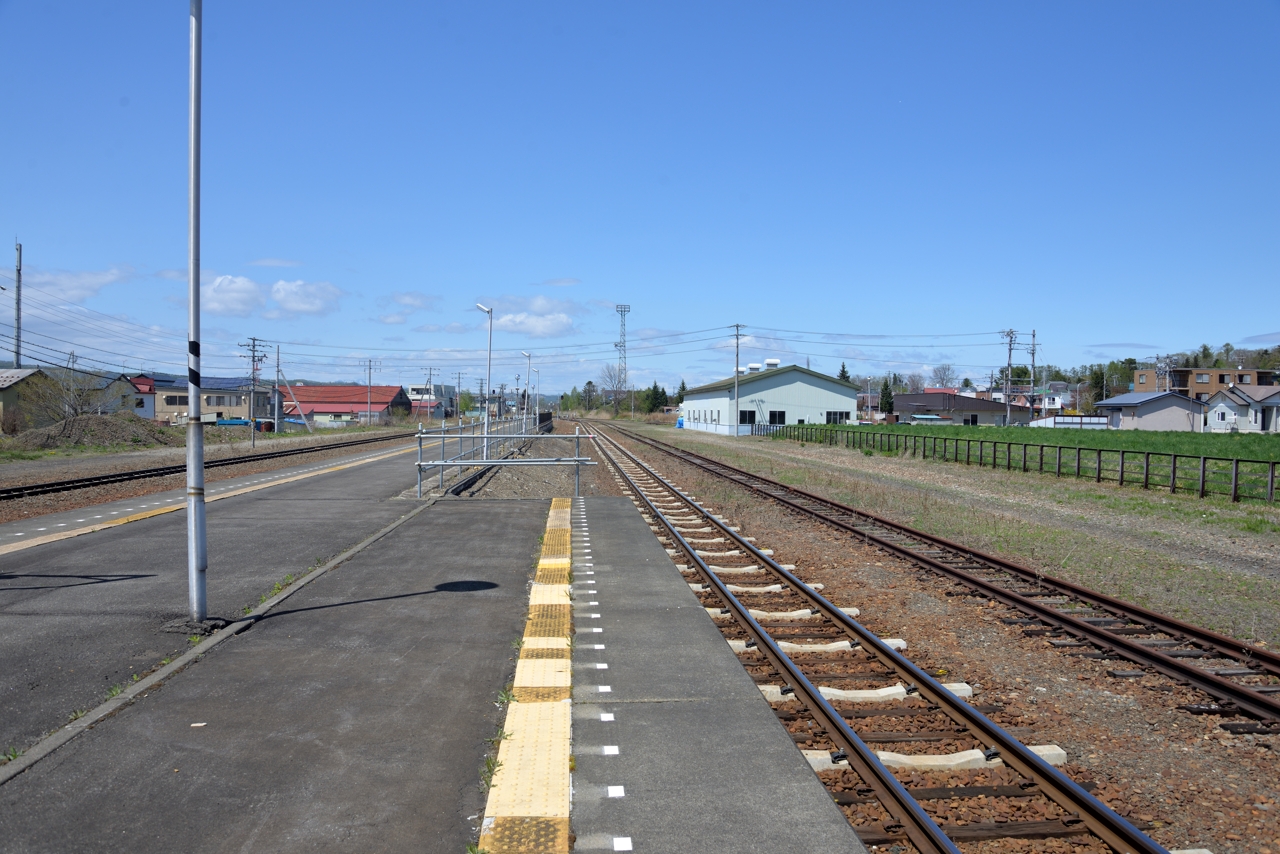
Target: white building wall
[800,396]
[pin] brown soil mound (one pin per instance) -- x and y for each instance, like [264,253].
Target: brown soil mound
[123,428]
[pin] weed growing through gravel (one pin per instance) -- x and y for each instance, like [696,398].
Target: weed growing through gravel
[506,695]
[194,639]
[517,643]
[77,714]
[473,848]
[114,691]
[497,739]
[11,754]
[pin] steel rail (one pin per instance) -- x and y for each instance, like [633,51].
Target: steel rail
[1101,820]
[1241,697]
[920,829]
[12,492]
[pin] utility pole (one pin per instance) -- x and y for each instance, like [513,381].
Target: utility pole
[253,386]
[457,397]
[275,397]
[1032,398]
[17,309]
[197,545]
[368,413]
[737,341]
[429,392]
[1012,338]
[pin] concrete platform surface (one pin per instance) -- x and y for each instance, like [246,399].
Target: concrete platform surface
[702,763]
[353,718]
[83,614]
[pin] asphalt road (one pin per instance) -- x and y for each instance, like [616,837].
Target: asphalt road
[353,717]
[81,615]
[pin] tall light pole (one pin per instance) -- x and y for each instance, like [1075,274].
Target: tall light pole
[528,375]
[488,375]
[197,546]
[537,401]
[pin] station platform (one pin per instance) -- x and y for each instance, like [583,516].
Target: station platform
[682,733]
[352,717]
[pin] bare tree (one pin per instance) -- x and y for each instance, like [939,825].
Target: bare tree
[56,394]
[944,376]
[613,382]
[915,383]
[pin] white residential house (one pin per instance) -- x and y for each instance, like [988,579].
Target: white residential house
[769,394]
[1235,410]
[1153,410]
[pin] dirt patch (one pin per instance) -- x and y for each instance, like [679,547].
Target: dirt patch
[120,429]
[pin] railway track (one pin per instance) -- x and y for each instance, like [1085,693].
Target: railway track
[838,688]
[1241,679]
[13,492]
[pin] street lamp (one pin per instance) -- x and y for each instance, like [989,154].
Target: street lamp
[537,401]
[524,410]
[488,374]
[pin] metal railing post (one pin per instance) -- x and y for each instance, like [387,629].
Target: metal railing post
[419,459]
[577,467]
[1235,480]
[1202,459]
[442,457]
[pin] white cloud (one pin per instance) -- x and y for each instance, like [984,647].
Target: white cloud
[299,297]
[559,283]
[415,299]
[231,296]
[275,262]
[393,319]
[1266,338]
[536,325]
[75,286]
[451,329]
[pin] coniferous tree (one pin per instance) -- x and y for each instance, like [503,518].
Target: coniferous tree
[886,397]
[681,392]
[843,376]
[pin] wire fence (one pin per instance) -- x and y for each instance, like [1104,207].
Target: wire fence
[1178,473]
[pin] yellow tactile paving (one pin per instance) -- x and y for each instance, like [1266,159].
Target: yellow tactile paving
[549,621]
[542,673]
[549,594]
[528,806]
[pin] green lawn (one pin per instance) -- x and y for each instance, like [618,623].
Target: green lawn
[1243,446]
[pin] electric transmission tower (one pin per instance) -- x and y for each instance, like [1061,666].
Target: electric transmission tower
[623,380]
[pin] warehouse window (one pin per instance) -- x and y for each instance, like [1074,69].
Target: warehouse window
[1245,379]
[1202,378]
[838,417]
[175,400]
[746,416]
[777,416]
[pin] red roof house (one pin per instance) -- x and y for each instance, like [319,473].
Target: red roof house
[345,404]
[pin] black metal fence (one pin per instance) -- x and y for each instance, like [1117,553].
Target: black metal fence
[1239,479]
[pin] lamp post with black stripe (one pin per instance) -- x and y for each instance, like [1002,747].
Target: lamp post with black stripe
[197,547]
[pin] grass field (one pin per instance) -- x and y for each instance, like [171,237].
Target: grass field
[1243,446]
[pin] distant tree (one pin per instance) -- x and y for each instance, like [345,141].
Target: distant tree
[466,402]
[613,382]
[681,392]
[943,376]
[654,398]
[966,383]
[1227,350]
[589,395]
[886,396]
[915,383]
[843,376]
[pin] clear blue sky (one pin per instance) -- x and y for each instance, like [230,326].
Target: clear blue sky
[1105,173]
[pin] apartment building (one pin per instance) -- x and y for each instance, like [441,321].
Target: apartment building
[1203,383]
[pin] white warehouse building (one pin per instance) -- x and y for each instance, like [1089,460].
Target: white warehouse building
[770,395]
